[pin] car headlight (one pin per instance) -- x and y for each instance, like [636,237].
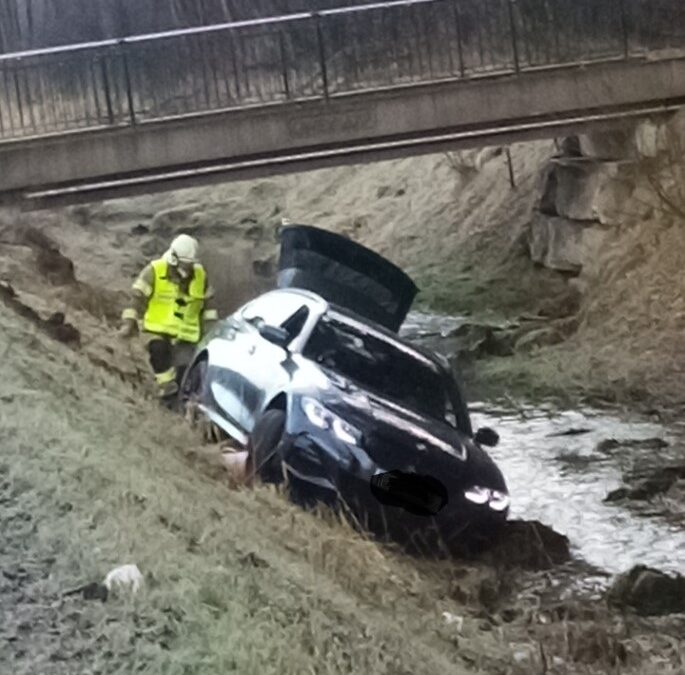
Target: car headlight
[499,501]
[323,418]
[477,495]
[495,499]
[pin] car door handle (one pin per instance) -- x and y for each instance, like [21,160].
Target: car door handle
[251,349]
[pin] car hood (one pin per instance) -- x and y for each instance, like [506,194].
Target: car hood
[387,422]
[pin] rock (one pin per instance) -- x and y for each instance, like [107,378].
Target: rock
[497,343]
[168,222]
[139,230]
[540,337]
[648,591]
[562,244]
[617,495]
[608,445]
[644,485]
[581,185]
[570,432]
[56,267]
[265,267]
[529,545]
[453,620]
[91,591]
[647,139]
[571,147]
[609,145]
[643,202]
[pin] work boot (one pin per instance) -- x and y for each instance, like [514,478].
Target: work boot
[168,393]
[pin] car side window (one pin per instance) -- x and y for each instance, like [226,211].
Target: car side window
[273,309]
[295,323]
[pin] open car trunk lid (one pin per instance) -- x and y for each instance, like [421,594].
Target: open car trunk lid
[345,273]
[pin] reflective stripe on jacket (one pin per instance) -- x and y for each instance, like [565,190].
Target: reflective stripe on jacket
[170,310]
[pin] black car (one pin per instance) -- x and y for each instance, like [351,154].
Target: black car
[314,380]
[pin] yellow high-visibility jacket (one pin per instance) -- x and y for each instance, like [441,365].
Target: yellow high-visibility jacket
[169,305]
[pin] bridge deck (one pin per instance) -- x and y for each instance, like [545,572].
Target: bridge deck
[312,88]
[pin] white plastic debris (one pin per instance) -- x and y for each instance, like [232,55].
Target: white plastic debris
[453,620]
[126,576]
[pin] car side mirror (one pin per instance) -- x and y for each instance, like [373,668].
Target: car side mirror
[276,335]
[487,437]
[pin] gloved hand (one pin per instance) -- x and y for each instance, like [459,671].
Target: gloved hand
[128,329]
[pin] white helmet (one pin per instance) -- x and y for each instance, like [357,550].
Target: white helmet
[182,253]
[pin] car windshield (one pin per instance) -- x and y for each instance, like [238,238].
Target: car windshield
[379,365]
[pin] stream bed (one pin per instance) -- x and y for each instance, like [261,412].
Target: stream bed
[559,470]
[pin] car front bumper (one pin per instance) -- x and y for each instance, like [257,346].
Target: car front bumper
[347,473]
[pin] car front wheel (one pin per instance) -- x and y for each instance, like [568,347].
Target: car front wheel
[266,436]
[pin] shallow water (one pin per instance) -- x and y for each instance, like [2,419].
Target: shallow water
[562,480]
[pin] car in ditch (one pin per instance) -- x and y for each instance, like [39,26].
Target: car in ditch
[314,380]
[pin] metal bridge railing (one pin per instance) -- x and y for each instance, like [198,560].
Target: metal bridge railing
[318,55]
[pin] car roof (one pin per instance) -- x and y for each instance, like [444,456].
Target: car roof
[298,291]
[329,307]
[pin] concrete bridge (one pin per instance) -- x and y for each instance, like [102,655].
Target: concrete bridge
[167,110]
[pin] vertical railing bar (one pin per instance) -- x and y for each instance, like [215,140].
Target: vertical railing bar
[17,91]
[555,24]
[479,28]
[247,66]
[322,54]
[96,88]
[148,100]
[460,38]
[127,82]
[550,31]
[355,56]
[221,49]
[236,74]
[84,112]
[69,99]
[53,99]
[26,71]
[2,124]
[417,37]
[387,68]
[8,91]
[514,41]
[170,83]
[525,33]
[213,60]
[284,64]
[425,38]
[43,100]
[395,42]
[624,28]
[61,119]
[450,53]
[205,67]
[107,91]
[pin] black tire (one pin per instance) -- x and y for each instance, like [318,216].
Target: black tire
[263,446]
[192,385]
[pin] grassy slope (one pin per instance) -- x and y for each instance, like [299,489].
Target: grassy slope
[236,582]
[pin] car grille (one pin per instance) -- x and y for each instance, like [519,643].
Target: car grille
[392,451]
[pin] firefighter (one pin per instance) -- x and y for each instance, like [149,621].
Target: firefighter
[171,304]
